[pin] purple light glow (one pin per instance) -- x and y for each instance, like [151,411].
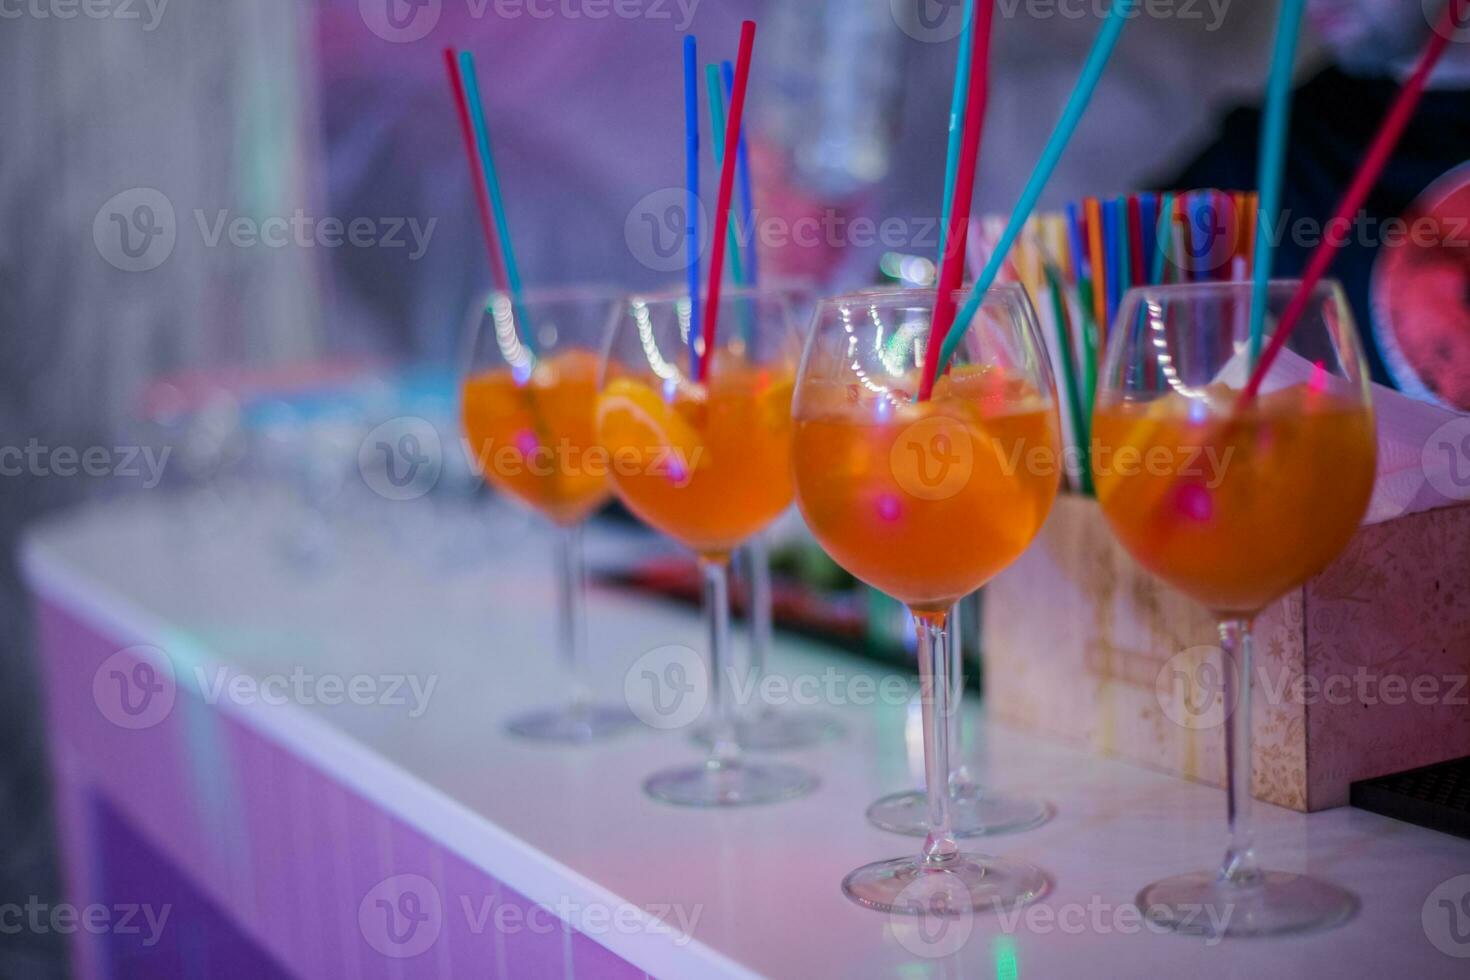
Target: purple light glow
[889,508]
[1195,502]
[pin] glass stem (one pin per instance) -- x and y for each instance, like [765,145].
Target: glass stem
[936,699]
[959,775]
[725,749]
[1239,867]
[571,575]
[758,567]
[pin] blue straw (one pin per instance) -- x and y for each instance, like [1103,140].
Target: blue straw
[1110,251]
[1148,220]
[1275,125]
[1203,226]
[1097,60]
[747,198]
[957,104]
[497,201]
[691,201]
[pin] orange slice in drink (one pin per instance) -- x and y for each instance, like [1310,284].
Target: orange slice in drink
[636,426]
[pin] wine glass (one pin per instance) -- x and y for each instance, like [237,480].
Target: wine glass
[762,727]
[1234,504]
[701,440]
[974,810]
[530,384]
[926,501]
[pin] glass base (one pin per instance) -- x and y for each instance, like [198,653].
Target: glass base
[974,812]
[729,784]
[969,883]
[776,731]
[573,723]
[1204,904]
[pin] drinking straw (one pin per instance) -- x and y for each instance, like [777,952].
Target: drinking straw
[747,197]
[1066,264]
[951,272]
[1389,134]
[497,200]
[1148,222]
[1274,125]
[957,104]
[975,242]
[691,190]
[717,137]
[1093,211]
[1203,228]
[1123,249]
[1220,210]
[1059,241]
[1110,256]
[1073,389]
[1166,231]
[1182,243]
[1252,209]
[472,153]
[1134,211]
[727,192]
[1092,70]
[1074,239]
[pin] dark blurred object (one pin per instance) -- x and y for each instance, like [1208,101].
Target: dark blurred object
[1437,797]
[1334,116]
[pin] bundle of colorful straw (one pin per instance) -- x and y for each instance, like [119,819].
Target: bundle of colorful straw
[1077,264]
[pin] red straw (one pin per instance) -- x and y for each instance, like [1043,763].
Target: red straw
[952,272]
[727,191]
[1135,240]
[1367,175]
[482,196]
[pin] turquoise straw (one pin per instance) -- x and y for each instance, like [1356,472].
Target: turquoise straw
[1275,125]
[1097,60]
[747,196]
[717,134]
[737,264]
[497,201]
[956,123]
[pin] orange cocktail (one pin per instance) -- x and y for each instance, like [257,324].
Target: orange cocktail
[927,501]
[1234,456]
[709,465]
[699,447]
[1235,511]
[527,406]
[535,439]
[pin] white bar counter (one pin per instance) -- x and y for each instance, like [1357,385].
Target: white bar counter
[569,828]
